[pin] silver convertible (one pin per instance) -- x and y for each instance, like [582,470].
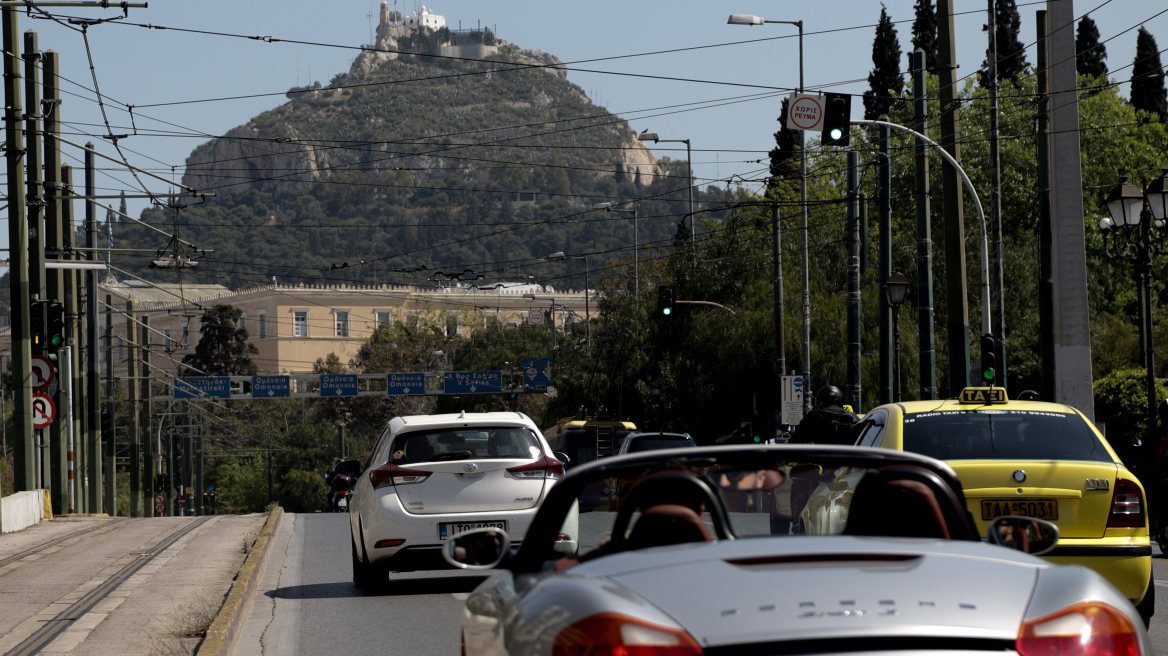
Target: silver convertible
[780,549]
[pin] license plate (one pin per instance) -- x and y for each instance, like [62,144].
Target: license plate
[1026,508]
[343,502]
[447,531]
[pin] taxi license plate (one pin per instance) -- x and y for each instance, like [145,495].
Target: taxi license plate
[447,531]
[1026,508]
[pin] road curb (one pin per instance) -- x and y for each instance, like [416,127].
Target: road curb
[231,616]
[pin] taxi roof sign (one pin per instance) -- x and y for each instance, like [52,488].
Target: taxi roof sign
[983,395]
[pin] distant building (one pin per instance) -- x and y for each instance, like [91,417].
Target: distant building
[425,18]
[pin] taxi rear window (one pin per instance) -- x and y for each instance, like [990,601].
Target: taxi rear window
[990,434]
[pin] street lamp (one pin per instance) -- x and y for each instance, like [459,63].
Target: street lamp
[551,316]
[895,289]
[1136,228]
[607,207]
[750,20]
[655,138]
[559,255]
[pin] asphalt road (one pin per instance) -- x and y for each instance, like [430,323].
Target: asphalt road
[307,604]
[1158,632]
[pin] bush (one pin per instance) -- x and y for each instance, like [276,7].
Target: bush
[1121,401]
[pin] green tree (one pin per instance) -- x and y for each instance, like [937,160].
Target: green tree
[1090,53]
[1011,52]
[1147,87]
[884,82]
[242,485]
[924,32]
[1121,402]
[223,349]
[329,364]
[785,155]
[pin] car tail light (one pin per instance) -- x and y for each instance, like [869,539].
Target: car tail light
[391,474]
[545,467]
[1127,505]
[1088,629]
[620,635]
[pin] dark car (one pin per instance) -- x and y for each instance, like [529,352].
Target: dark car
[637,442]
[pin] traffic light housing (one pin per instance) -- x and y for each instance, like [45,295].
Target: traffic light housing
[837,119]
[36,327]
[989,359]
[664,301]
[55,325]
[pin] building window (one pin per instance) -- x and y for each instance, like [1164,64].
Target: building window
[263,318]
[243,322]
[412,321]
[452,324]
[168,343]
[383,317]
[342,322]
[490,319]
[300,323]
[186,337]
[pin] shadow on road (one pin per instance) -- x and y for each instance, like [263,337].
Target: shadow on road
[397,588]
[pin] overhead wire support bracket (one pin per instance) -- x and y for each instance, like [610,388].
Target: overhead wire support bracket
[127,164]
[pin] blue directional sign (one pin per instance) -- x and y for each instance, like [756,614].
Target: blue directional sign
[406,384]
[198,388]
[473,382]
[266,387]
[537,374]
[338,385]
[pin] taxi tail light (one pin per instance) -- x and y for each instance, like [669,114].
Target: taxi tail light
[620,635]
[391,474]
[1127,505]
[545,467]
[1088,629]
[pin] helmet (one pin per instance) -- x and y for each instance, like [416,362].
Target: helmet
[830,395]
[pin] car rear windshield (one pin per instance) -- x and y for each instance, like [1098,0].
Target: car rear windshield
[1002,435]
[659,442]
[479,442]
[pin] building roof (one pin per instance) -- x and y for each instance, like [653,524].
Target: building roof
[163,292]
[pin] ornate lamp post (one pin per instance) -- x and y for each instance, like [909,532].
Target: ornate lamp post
[1135,230]
[895,289]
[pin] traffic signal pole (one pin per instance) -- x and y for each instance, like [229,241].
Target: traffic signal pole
[90,342]
[111,443]
[59,437]
[135,420]
[22,438]
[143,380]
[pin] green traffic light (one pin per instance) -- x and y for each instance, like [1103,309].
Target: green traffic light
[667,311]
[56,340]
[757,439]
[836,133]
[989,374]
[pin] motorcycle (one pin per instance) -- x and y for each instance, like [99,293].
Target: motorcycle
[341,479]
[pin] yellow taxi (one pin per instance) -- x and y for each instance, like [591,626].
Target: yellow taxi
[1044,460]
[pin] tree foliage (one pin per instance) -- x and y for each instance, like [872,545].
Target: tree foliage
[1011,52]
[785,155]
[1147,87]
[1089,52]
[924,32]
[884,82]
[223,349]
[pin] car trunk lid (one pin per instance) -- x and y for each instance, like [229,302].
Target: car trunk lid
[468,486]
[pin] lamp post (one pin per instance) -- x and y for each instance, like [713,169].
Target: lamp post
[559,255]
[607,207]
[655,138]
[1136,231]
[750,20]
[895,289]
[551,316]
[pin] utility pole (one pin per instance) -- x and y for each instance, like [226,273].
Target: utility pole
[188,462]
[74,326]
[36,216]
[884,175]
[779,319]
[59,436]
[18,244]
[997,309]
[89,342]
[1045,232]
[132,369]
[853,394]
[111,441]
[926,343]
[956,293]
[148,456]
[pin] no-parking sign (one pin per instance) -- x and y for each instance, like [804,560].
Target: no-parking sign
[44,411]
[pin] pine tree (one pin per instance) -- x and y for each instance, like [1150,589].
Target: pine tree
[884,82]
[1147,87]
[1011,53]
[925,32]
[1089,52]
[785,156]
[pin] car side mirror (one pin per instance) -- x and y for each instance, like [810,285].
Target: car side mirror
[562,457]
[1027,534]
[483,548]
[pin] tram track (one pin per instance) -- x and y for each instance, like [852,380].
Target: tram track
[54,627]
[104,525]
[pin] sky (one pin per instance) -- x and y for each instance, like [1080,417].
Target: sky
[162,72]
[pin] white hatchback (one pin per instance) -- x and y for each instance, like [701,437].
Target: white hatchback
[430,477]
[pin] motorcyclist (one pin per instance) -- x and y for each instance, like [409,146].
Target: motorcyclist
[829,422]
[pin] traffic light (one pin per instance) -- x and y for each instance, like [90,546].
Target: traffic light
[989,359]
[36,326]
[664,301]
[55,326]
[837,119]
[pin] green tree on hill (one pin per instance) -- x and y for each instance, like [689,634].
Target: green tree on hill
[1090,53]
[1011,52]
[924,32]
[223,349]
[884,82]
[1147,87]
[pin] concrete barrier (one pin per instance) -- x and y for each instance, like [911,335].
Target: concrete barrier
[22,510]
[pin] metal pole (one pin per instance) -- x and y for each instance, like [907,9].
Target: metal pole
[693,239]
[89,345]
[854,298]
[18,243]
[111,499]
[135,417]
[56,279]
[148,459]
[636,256]
[341,440]
[67,388]
[926,343]
[884,175]
[998,309]
[587,311]
[804,257]
[1146,291]
[1045,220]
[188,464]
[777,287]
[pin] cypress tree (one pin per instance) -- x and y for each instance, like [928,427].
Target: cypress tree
[785,155]
[1147,87]
[924,32]
[884,82]
[1089,52]
[1011,52]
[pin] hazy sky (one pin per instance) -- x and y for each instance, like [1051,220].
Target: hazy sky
[144,67]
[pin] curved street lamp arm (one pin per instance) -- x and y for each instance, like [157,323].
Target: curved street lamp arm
[710,303]
[985,262]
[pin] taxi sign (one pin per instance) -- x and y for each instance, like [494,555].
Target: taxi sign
[983,395]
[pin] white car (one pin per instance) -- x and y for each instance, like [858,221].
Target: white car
[431,477]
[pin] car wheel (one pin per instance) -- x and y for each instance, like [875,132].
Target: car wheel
[369,577]
[1161,538]
[1147,607]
